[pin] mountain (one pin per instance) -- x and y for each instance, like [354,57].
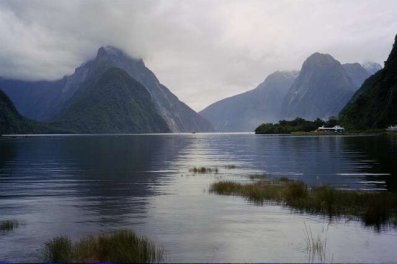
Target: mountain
[11,122]
[115,103]
[179,117]
[372,67]
[36,100]
[357,73]
[374,105]
[48,100]
[322,88]
[243,112]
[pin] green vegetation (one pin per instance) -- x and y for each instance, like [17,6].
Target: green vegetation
[59,249]
[8,225]
[302,127]
[296,125]
[366,132]
[373,208]
[203,170]
[375,104]
[122,246]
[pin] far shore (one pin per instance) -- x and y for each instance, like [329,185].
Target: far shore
[298,133]
[362,133]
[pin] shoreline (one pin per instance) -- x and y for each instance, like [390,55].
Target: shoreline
[298,133]
[316,134]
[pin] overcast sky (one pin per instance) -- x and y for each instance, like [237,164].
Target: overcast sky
[203,51]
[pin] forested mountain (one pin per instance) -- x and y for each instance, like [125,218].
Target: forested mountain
[11,122]
[115,103]
[46,100]
[374,105]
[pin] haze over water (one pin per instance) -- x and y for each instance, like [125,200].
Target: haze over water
[81,185]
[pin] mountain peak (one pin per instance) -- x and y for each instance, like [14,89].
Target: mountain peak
[320,59]
[357,73]
[109,51]
[371,67]
[321,89]
[116,54]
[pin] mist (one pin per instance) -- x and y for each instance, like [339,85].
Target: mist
[202,51]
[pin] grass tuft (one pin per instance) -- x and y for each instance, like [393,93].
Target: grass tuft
[294,192]
[122,246]
[59,249]
[375,209]
[8,225]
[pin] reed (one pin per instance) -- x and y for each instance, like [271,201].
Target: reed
[203,170]
[121,246]
[59,249]
[316,247]
[375,209]
[8,225]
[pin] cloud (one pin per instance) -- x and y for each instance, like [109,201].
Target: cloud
[203,50]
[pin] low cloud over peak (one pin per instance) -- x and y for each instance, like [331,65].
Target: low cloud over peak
[202,50]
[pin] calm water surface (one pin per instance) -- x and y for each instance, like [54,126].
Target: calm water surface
[81,185]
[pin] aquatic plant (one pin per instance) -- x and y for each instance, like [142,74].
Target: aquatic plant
[375,209]
[121,246]
[316,247]
[8,225]
[203,170]
[59,249]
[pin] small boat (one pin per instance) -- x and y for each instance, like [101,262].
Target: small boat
[392,129]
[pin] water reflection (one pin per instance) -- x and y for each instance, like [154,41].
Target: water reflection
[78,185]
[223,229]
[332,160]
[107,170]
[315,160]
[380,154]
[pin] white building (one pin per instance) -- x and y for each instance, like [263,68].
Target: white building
[336,128]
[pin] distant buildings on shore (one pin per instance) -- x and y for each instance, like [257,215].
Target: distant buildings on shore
[335,129]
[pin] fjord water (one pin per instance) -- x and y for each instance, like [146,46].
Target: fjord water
[82,185]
